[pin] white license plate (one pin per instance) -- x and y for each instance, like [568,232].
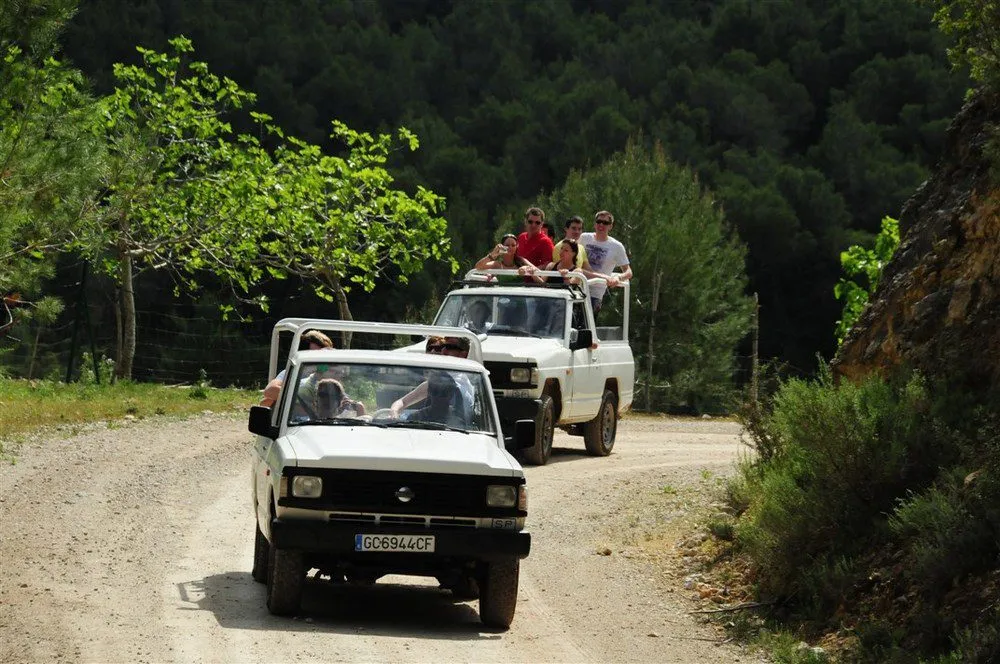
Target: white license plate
[400,543]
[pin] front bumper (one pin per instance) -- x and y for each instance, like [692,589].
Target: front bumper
[330,538]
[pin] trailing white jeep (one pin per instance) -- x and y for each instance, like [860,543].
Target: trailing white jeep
[344,486]
[547,359]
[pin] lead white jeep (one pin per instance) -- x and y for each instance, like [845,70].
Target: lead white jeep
[344,486]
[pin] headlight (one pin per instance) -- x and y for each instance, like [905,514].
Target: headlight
[523,374]
[501,496]
[307,486]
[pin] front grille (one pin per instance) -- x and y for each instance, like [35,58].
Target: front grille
[397,520]
[374,492]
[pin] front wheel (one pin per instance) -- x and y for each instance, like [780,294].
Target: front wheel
[599,433]
[286,576]
[539,453]
[498,593]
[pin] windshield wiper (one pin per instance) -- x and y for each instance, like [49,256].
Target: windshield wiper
[340,421]
[423,424]
[505,330]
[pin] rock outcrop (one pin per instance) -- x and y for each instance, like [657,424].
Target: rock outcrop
[937,305]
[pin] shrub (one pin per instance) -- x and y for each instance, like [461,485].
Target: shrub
[847,453]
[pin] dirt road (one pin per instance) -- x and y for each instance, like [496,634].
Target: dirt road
[134,544]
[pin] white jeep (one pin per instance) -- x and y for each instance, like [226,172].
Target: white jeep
[547,359]
[344,486]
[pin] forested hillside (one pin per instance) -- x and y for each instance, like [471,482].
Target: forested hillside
[809,120]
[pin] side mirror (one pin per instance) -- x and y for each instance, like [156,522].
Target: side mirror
[260,422]
[581,339]
[524,434]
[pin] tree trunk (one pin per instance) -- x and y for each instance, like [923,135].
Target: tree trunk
[345,309]
[126,306]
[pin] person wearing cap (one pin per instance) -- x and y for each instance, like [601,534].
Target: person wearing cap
[310,340]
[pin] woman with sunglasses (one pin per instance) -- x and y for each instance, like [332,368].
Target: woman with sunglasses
[504,257]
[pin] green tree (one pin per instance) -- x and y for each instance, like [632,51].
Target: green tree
[859,261]
[975,25]
[689,307]
[187,194]
[48,155]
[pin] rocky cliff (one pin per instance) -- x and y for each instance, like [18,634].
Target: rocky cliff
[937,305]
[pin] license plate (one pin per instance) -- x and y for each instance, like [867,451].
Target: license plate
[399,543]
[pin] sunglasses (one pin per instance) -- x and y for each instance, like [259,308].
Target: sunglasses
[603,222]
[445,347]
[535,222]
[436,349]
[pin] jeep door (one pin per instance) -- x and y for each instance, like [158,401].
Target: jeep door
[584,374]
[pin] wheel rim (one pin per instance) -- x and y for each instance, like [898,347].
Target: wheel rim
[608,425]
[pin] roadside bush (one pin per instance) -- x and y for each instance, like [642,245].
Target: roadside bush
[845,454]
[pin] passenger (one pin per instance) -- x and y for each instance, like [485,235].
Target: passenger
[572,231]
[533,245]
[605,253]
[331,401]
[310,340]
[308,391]
[504,256]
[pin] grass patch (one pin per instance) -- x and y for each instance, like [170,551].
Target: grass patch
[28,405]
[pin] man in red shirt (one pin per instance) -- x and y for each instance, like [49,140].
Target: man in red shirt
[533,245]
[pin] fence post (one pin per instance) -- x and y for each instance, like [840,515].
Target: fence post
[754,366]
[76,323]
[652,327]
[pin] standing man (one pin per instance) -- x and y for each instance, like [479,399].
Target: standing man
[605,254]
[533,245]
[573,230]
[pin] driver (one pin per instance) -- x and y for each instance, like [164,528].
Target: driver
[442,394]
[477,316]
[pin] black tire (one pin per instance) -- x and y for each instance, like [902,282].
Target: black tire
[261,552]
[286,575]
[498,593]
[539,453]
[599,433]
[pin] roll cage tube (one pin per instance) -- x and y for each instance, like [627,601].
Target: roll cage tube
[296,326]
[481,278]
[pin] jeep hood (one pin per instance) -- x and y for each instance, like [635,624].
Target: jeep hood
[520,349]
[399,449]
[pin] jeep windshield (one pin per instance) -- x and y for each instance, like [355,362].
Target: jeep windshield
[348,394]
[505,315]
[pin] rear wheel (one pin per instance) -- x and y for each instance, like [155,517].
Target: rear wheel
[261,552]
[599,433]
[498,593]
[539,453]
[286,575]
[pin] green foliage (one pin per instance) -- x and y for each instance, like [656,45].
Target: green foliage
[844,455]
[868,263]
[808,120]
[48,163]
[200,389]
[975,25]
[680,244]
